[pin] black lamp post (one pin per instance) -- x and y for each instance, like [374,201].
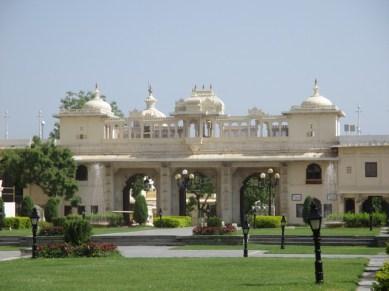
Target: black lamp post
[34,222]
[160,215]
[245,229]
[283,224]
[183,181]
[270,180]
[314,221]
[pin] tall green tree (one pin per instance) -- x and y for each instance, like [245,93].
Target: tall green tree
[44,164]
[202,188]
[140,209]
[76,100]
[254,191]
[27,206]
[2,215]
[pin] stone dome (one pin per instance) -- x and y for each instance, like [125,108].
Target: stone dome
[97,103]
[202,101]
[316,100]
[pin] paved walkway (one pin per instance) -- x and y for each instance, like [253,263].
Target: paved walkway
[180,231]
[368,276]
[172,252]
[9,255]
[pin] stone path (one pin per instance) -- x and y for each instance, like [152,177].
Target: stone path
[368,276]
[180,231]
[172,252]
[9,255]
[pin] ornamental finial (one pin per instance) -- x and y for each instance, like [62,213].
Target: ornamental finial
[316,89]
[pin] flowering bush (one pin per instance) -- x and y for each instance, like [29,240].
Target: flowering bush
[64,250]
[210,230]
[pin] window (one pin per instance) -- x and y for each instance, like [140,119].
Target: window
[313,174]
[67,210]
[348,170]
[81,210]
[371,169]
[82,173]
[94,209]
[327,209]
[299,210]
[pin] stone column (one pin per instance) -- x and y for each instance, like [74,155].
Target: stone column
[165,196]
[225,192]
[283,196]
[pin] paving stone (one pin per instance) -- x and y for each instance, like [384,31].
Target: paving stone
[366,283]
[368,275]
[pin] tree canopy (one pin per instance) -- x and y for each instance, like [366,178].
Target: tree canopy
[44,164]
[76,100]
[202,188]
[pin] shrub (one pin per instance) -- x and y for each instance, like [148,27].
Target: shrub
[27,206]
[2,215]
[51,209]
[63,250]
[108,218]
[214,221]
[211,230]
[173,221]
[44,224]
[59,221]
[140,209]
[267,221]
[75,201]
[73,216]
[77,231]
[363,220]
[18,222]
[382,278]
[51,230]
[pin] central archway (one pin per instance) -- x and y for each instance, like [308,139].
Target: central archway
[251,192]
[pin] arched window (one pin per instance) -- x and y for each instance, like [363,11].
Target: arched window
[313,175]
[82,173]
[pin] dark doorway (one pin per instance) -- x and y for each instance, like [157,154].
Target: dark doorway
[349,205]
[251,192]
[133,185]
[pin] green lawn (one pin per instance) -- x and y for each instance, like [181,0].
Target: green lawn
[9,248]
[118,273]
[291,249]
[302,230]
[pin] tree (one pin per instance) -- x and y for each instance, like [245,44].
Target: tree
[140,209]
[74,100]
[202,188]
[51,209]
[309,203]
[27,206]
[44,164]
[253,191]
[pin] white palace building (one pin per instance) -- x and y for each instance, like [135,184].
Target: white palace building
[302,144]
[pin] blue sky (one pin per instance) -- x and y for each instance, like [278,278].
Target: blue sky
[255,53]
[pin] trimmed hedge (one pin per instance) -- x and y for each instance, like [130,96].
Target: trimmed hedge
[214,221]
[107,218]
[18,222]
[51,230]
[59,221]
[173,221]
[267,221]
[77,231]
[360,219]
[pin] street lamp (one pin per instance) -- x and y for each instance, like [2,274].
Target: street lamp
[270,180]
[283,224]
[314,221]
[245,229]
[160,215]
[34,222]
[183,181]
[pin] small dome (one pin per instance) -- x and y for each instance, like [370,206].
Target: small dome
[150,110]
[98,104]
[316,100]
